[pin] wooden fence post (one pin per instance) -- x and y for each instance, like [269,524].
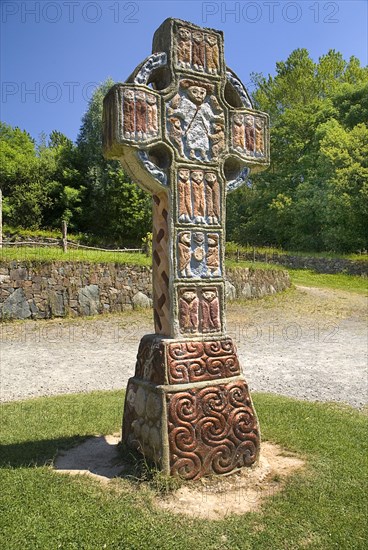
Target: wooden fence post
[64,229]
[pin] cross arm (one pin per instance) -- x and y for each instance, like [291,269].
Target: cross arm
[131,129]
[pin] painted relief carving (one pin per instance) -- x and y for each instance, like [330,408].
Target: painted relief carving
[259,137]
[212,430]
[198,197]
[184,44]
[184,196]
[212,198]
[189,310]
[213,256]
[185,254]
[198,254]
[212,54]
[153,62]
[128,112]
[199,310]
[238,132]
[196,128]
[197,50]
[140,115]
[249,134]
[239,88]
[200,361]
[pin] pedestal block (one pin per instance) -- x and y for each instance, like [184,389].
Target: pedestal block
[188,408]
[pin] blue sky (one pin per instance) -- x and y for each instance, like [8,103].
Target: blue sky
[53,53]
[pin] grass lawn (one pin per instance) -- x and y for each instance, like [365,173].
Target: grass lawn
[338,281]
[322,507]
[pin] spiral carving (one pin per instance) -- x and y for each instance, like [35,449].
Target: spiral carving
[201,361]
[215,427]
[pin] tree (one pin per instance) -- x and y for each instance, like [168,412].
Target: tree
[311,197]
[114,207]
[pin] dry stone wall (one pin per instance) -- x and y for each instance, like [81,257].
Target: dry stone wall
[57,289]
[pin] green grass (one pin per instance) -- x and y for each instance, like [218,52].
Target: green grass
[320,508]
[338,281]
[38,254]
[232,248]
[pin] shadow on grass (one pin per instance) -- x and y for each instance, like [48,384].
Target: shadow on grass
[36,453]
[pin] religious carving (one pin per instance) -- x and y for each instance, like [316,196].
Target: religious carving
[199,310]
[198,49]
[212,54]
[259,137]
[189,139]
[200,361]
[185,196]
[198,196]
[210,308]
[189,310]
[212,430]
[199,123]
[128,111]
[184,45]
[212,198]
[249,134]
[238,132]
[185,254]
[213,256]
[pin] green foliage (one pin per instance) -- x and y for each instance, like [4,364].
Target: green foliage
[314,196]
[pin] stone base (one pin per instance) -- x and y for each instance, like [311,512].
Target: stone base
[188,408]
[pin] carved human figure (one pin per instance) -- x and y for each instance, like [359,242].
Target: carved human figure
[213,255]
[259,137]
[197,114]
[189,311]
[249,133]
[212,54]
[198,252]
[217,139]
[198,50]
[176,134]
[184,196]
[238,132]
[210,311]
[128,114]
[184,47]
[185,253]
[198,196]
[141,114]
[212,198]
[151,114]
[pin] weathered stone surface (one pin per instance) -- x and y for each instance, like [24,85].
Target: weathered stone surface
[89,299]
[56,301]
[140,300]
[230,291]
[16,306]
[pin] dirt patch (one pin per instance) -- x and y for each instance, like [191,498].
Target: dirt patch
[209,498]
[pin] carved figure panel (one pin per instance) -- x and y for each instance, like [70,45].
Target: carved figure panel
[198,197]
[212,430]
[248,134]
[195,122]
[200,361]
[140,115]
[199,310]
[198,254]
[197,50]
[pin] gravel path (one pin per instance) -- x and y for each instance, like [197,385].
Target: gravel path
[309,344]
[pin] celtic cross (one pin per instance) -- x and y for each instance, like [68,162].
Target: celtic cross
[184,129]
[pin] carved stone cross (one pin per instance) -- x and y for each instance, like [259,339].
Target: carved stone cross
[184,129]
